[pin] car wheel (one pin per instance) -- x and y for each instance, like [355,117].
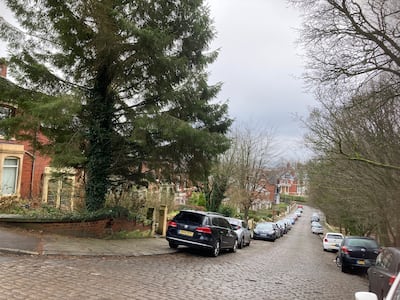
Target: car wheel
[338,263]
[241,243]
[216,249]
[235,246]
[173,245]
[344,268]
[341,265]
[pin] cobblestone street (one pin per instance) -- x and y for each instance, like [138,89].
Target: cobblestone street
[293,267]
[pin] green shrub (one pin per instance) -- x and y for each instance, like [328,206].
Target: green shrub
[226,210]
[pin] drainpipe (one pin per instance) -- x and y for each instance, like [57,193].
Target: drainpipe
[32,173]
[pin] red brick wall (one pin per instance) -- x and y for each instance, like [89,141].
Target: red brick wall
[41,162]
[95,229]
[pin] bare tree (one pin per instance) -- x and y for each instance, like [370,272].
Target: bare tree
[358,193]
[348,43]
[251,151]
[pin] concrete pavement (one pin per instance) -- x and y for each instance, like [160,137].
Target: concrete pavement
[21,241]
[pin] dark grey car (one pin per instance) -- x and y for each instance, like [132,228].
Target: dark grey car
[265,231]
[203,230]
[382,275]
[357,252]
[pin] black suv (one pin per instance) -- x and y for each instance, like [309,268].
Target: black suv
[357,252]
[203,230]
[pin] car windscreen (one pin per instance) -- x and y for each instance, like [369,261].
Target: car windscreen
[264,227]
[189,218]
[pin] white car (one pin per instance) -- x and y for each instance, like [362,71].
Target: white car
[332,241]
[393,294]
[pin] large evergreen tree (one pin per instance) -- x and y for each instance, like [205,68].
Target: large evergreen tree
[136,69]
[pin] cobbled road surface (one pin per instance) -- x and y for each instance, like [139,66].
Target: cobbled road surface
[292,267]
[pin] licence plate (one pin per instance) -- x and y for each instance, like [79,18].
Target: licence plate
[361,262]
[185,232]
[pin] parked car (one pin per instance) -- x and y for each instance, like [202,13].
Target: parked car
[242,231]
[203,230]
[265,231]
[283,225]
[315,217]
[317,228]
[393,294]
[382,275]
[292,220]
[332,241]
[314,223]
[357,252]
[288,222]
[278,229]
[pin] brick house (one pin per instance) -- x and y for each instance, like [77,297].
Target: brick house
[24,173]
[290,182]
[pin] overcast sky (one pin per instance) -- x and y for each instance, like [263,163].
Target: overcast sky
[259,65]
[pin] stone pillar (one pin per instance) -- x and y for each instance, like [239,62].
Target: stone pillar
[162,223]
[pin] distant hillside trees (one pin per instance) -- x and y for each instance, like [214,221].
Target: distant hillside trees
[353,50]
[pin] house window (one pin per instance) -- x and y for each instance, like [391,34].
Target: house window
[10,175]
[5,112]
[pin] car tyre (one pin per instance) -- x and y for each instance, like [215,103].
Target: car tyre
[341,265]
[216,249]
[241,243]
[344,268]
[235,246]
[173,245]
[338,263]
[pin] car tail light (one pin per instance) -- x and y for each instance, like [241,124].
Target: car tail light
[172,224]
[392,279]
[204,230]
[325,240]
[345,250]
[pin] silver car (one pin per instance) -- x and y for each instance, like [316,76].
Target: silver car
[242,231]
[317,228]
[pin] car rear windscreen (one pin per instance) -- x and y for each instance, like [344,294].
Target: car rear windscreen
[363,243]
[334,236]
[189,218]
